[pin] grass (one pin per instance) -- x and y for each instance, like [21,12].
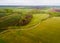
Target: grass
[24,36]
[48,31]
[37,18]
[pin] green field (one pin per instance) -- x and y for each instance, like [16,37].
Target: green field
[43,26]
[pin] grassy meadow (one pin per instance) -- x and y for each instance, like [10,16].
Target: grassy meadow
[23,25]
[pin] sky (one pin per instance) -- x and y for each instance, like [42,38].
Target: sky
[30,2]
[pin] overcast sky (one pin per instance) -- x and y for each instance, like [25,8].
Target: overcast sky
[30,2]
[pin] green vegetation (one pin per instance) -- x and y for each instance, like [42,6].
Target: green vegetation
[29,26]
[56,14]
[9,20]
